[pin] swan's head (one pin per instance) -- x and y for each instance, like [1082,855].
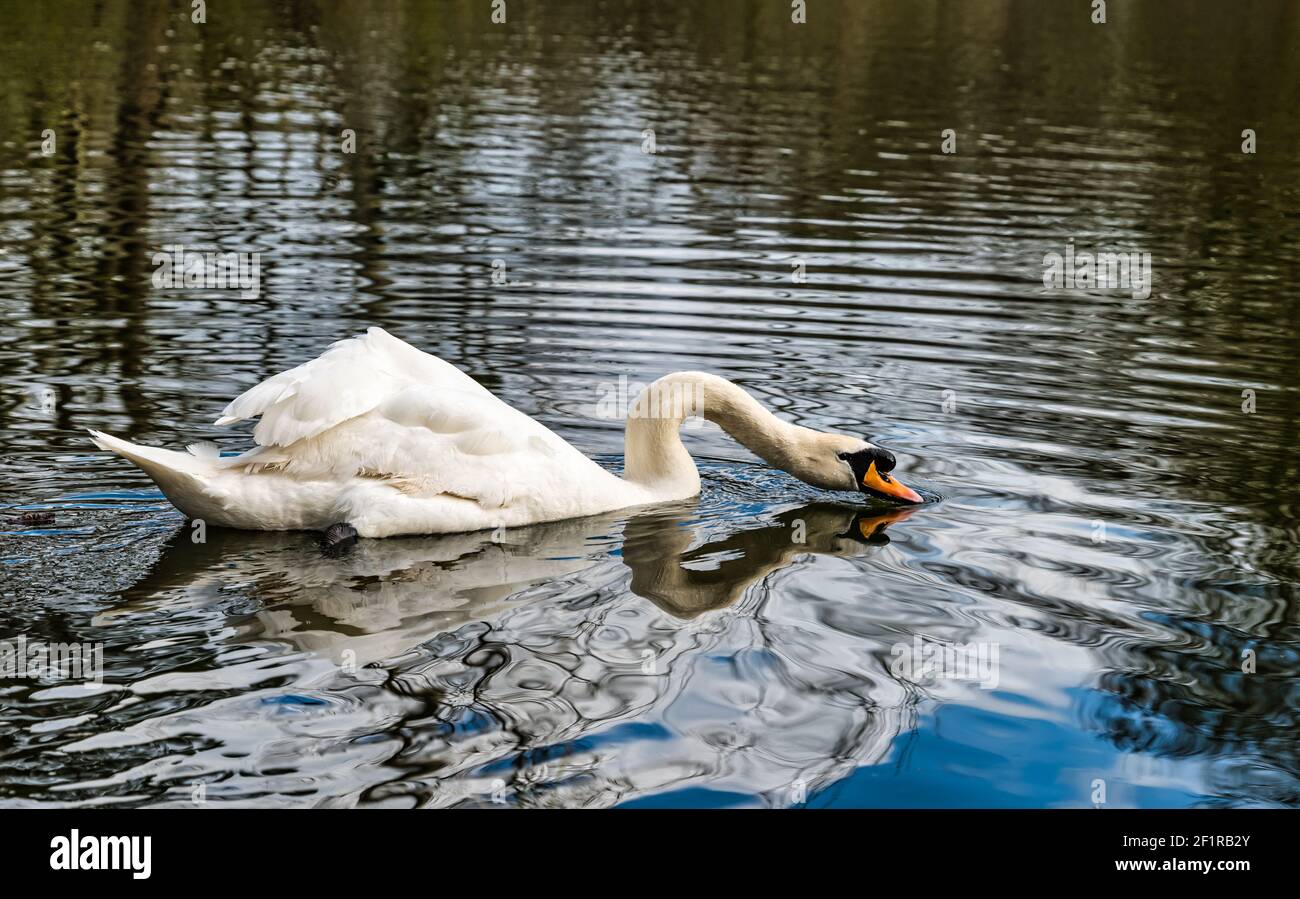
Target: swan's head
[851,463]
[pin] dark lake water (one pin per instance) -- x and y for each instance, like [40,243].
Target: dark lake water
[1118,468]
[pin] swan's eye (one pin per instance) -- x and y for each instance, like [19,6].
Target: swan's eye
[883,458]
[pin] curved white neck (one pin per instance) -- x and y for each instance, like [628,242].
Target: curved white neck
[655,458]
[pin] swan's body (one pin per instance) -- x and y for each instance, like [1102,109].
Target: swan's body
[394,441]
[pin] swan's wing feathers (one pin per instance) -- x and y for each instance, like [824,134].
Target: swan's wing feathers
[346,380]
[351,378]
[455,442]
[430,442]
[373,412]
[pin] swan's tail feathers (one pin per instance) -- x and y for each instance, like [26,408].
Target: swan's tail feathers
[180,476]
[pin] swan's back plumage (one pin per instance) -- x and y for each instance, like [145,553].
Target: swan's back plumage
[353,377]
[393,440]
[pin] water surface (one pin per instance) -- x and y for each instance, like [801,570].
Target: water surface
[1118,472]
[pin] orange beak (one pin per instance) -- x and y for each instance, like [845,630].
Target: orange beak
[883,485]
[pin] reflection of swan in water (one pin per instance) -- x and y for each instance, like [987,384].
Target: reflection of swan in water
[381,598]
[386,596]
[658,550]
[543,646]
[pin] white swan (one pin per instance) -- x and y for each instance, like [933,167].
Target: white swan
[385,439]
